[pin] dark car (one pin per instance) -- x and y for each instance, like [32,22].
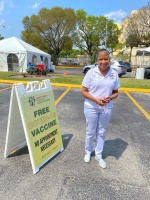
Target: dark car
[128,66]
[147,73]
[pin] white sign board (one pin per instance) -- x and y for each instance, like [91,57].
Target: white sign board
[33,121]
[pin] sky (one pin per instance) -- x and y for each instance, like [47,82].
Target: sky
[12,12]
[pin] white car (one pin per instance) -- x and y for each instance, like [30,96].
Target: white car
[86,68]
[115,64]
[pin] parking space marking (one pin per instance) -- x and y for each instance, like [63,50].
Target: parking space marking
[138,105]
[126,90]
[135,90]
[61,96]
[56,102]
[5,89]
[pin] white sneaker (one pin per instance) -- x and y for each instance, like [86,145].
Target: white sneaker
[87,158]
[102,163]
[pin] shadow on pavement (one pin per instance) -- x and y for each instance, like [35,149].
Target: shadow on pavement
[24,150]
[114,148]
[66,139]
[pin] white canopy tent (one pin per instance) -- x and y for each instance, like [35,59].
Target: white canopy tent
[15,54]
[143,57]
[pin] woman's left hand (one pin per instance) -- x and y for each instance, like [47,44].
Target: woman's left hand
[106,99]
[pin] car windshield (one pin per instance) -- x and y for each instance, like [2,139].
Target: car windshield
[128,64]
[112,62]
[121,62]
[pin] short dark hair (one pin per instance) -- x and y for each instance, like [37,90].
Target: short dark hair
[103,50]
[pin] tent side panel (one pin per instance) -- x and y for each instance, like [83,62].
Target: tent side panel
[22,62]
[40,58]
[3,62]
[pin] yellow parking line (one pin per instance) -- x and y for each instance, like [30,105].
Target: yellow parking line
[76,86]
[66,85]
[5,89]
[138,105]
[59,99]
[135,90]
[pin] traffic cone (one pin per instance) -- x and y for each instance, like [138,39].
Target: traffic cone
[66,73]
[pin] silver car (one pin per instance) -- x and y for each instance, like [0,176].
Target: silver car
[86,68]
[115,64]
[119,66]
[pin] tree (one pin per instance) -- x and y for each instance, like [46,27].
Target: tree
[32,36]
[113,34]
[137,27]
[144,17]
[146,38]
[1,37]
[70,53]
[132,40]
[132,32]
[91,33]
[51,29]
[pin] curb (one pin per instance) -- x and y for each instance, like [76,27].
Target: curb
[76,86]
[68,67]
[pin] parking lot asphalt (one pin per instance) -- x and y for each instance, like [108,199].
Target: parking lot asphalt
[67,176]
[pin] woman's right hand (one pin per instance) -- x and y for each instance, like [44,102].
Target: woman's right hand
[100,101]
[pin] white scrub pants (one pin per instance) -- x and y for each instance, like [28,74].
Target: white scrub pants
[96,125]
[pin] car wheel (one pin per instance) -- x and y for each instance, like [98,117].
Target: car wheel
[120,75]
[86,70]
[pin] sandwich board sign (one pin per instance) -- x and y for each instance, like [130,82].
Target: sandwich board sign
[33,121]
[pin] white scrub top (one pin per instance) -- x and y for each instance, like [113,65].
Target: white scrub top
[100,86]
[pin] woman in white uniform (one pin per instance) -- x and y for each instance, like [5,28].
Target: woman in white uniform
[100,87]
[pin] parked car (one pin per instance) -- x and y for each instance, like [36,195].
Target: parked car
[70,62]
[119,67]
[147,73]
[115,64]
[86,68]
[128,66]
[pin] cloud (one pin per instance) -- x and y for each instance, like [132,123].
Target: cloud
[2,4]
[5,5]
[2,23]
[117,16]
[10,4]
[36,4]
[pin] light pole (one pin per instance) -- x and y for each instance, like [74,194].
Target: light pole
[106,33]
